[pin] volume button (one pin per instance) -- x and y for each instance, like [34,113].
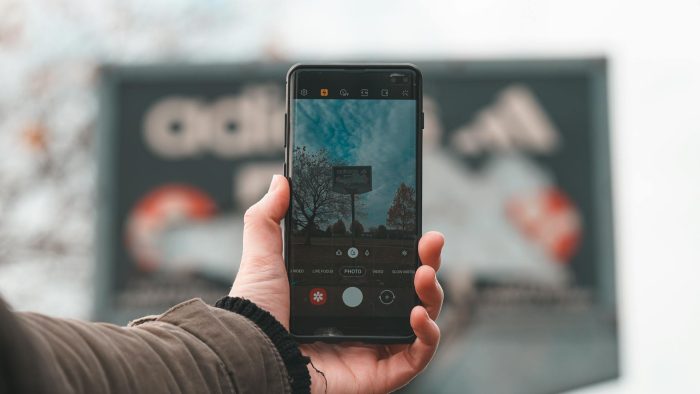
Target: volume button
[286,131]
[422,120]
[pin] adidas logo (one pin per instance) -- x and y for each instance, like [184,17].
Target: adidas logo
[515,121]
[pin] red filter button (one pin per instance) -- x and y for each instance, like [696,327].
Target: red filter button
[318,296]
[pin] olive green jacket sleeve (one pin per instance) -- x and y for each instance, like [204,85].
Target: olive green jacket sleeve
[191,348]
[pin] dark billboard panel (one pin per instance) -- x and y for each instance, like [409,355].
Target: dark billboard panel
[516,175]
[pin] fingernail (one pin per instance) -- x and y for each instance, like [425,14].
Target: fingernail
[273,183]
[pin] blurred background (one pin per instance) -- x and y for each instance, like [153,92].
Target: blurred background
[561,135]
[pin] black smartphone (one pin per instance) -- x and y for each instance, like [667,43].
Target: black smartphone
[353,159]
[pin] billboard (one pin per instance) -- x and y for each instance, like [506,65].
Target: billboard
[352,179]
[516,175]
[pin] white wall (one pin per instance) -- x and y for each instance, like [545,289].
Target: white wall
[655,81]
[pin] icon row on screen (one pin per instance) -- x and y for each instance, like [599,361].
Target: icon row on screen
[352,296]
[324,92]
[353,252]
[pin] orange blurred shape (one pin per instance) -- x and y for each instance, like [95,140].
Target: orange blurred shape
[165,206]
[550,219]
[35,137]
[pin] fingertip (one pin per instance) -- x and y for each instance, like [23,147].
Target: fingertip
[262,220]
[425,276]
[418,314]
[430,248]
[277,197]
[424,327]
[438,236]
[426,270]
[429,290]
[278,184]
[274,183]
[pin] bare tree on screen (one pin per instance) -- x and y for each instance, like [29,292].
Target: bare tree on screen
[402,213]
[313,201]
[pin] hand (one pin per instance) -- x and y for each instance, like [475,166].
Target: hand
[348,367]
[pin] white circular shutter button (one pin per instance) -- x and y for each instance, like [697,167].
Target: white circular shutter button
[352,297]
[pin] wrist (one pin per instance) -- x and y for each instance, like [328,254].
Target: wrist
[270,296]
[294,361]
[319,383]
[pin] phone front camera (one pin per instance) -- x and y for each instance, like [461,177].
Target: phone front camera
[399,79]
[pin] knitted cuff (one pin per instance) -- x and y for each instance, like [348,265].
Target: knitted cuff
[299,378]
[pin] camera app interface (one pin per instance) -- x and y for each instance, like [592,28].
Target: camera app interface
[353,171]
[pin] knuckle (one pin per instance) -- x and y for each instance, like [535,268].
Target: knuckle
[250,215]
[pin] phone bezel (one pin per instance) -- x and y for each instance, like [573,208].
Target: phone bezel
[386,339]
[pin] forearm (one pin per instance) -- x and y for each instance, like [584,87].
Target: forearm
[190,348]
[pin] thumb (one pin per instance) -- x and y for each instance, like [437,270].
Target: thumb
[262,236]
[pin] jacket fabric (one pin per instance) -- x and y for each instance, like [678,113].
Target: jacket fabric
[191,348]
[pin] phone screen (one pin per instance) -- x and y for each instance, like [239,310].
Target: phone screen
[354,219]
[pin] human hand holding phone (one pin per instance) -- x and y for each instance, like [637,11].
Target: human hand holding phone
[346,367]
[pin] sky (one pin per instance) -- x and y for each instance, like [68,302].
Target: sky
[376,133]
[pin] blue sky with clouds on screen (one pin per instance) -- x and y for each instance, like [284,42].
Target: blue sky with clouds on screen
[377,133]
